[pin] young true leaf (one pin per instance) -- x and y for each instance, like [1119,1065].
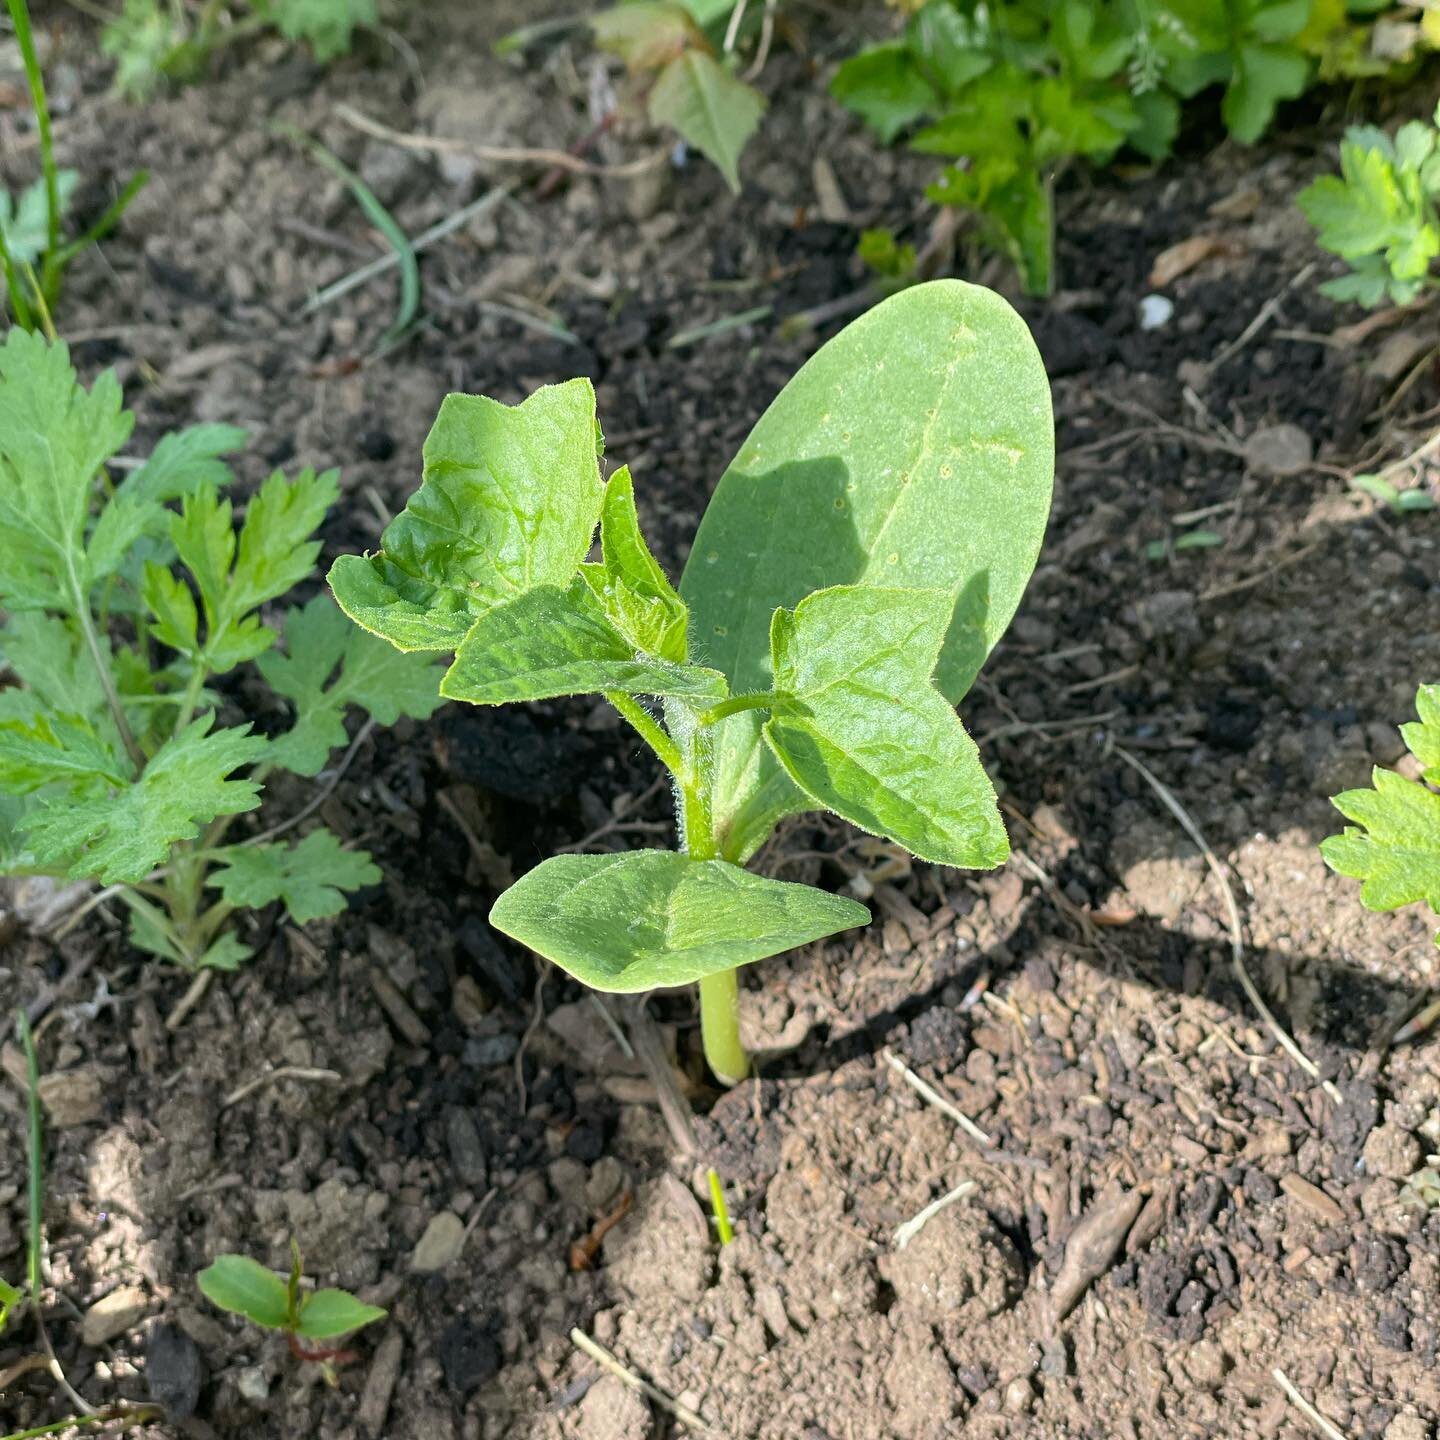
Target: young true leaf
[553,642]
[54,437]
[906,769]
[886,87]
[646,34]
[245,1287]
[635,591]
[651,918]
[371,674]
[708,107]
[328,25]
[183,461]
[509,501]
[10,1297]
[54,668]
[308,877]
[24,223]
[57,749]
[913,449]
[122,837]
[1422,736]
[324,1314]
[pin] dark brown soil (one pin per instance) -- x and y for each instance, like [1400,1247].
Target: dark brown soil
[1170,1209]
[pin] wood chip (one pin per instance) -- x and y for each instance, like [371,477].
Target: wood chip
[1297,1259]
[1172,263]
[1093,1246]
[1312,1198]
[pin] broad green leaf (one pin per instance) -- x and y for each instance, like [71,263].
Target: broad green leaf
[245,1287]
[24,224]
[54,437]
[554,642]
[708,108]
[328,1313]
[1422,736]
[309,877]
[122,837]
[913,450]
[860,728]
[57,749]
[372,674]
[646,34]
[886,87]
[1264,76]
[652,918]
[509,501]
[10,1297]
[636,593]
[226,952]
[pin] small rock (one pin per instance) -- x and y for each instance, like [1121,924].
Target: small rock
[252,1384]
[1392,1152]
[1312,1198]
[485,1052]
[440,1246]
[1019,1395]
[469,1002]
[174,1371]
[1155,311]
[380,1384]
[467,1150]
[1283,449]
[607,1175]
[72,1097]
[567,1178]
[1205,1364]
[611,1410]
[113,1315]
[1408,1427]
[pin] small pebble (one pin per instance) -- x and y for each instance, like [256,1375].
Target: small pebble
[113,1315]
[252,1384]
[439,1247]
[1155,311]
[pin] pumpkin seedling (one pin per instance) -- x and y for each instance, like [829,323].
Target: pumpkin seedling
[245,1287]
[860,558]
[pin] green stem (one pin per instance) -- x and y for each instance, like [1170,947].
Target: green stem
[650,732]
[19,305]
[36,1155]
[735,704]
[719,994]
[107,681]
[20,18]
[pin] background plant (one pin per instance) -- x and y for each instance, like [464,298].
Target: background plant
[1012,93]
[125,602]
[684,56]
[34,254]
[859,559]
[1379,213]
[154,41]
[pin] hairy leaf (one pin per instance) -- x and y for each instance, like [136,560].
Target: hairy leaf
[860,728]
[122,837]
[57,749]
[509,501]
[309,877]
[709,108]
[916,446]
[371,673]
[554,642]
[651,918]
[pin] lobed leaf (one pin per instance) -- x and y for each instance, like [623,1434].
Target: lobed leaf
[651,918]
[57,749]
[646,34]
[329,664]
[861,730]
[553,642]
[509,500]
[122,837]
[308,877]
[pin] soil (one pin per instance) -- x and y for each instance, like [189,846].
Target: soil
[1166,1209]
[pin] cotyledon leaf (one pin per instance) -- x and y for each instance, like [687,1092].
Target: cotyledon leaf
[553,642]
[862,731]
[651,918]
[915,449]
[509,500]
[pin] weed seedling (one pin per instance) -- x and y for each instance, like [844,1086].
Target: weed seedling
[124,603]
[860,557]
[1380,213]
[34,254]
[245,1287]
